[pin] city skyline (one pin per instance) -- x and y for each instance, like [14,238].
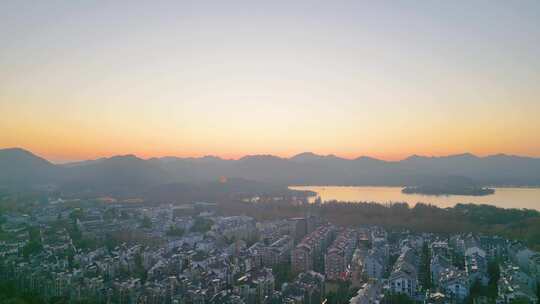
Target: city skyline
[384,79]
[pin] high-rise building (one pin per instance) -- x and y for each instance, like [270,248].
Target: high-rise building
[308,254]
[339,254]
[298,228]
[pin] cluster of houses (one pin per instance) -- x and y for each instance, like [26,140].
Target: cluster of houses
[457,265]
[164,255]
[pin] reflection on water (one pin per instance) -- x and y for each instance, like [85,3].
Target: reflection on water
[504,197]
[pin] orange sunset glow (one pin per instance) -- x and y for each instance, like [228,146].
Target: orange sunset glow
[199,79]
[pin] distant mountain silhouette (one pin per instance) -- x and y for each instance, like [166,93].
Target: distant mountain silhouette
[116,175]
[20,168]
[310,157]
[121,174]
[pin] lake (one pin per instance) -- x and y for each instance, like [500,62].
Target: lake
[503,197]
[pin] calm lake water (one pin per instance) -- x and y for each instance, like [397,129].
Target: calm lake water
[503,197]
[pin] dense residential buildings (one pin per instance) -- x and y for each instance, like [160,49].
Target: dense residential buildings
[135,254]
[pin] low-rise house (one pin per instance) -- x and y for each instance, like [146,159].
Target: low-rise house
[515,284]
[404,276]
[454,283]
[369,293]
[278,252]
[373,265]
[475,261]
[255,286]
[534,266]
[307,288]
[438,264]
[520,255]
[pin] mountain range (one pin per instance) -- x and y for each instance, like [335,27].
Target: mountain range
[21,169]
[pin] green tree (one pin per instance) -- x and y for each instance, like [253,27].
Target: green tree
[31,248]
[520,301]
[342,295]
[146,222]
[201,224]
[140,272]
[494,275]
[34,245]
[283,274]
[396,298]
[173,231]
[425,270]
[76,214]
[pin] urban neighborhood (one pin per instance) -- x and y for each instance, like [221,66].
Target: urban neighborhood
[182,254]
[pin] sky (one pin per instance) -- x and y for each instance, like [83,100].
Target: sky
[387,79]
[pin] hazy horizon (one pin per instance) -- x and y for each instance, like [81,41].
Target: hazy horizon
[189,78]
[263,154]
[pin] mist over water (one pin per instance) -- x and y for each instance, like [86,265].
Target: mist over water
[528,198]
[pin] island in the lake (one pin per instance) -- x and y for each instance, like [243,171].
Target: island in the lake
[445,190]
[449,185]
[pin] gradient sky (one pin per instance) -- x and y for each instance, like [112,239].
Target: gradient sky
[87,79]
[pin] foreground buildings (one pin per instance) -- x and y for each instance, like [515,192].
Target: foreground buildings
[135,254]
